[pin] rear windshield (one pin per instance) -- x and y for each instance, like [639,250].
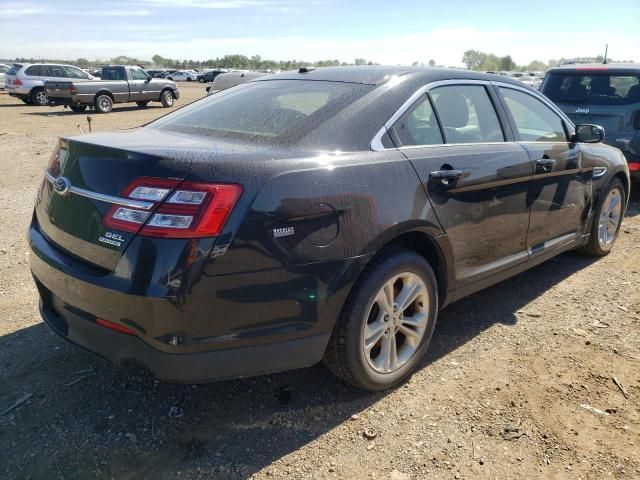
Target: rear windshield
[264,110]
[14,69]
[593,88]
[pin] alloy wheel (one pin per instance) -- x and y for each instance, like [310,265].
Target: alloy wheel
[396,323]
[610,217]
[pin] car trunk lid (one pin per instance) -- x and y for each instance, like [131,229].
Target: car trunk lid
[98,169]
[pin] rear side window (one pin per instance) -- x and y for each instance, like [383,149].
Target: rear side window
[534,121]
[36,71]
[3,69]
[594,88]
[419,125]
[265,110]
[113,74]
[467,114]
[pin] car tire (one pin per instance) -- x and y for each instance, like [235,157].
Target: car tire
[369,348]
[201,80]
[142,104]
[606,220]
[166,98]
[103,103]
[188,79]
[78,108]
[38,96]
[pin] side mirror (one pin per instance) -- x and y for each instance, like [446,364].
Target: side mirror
[586,133]
[207,89]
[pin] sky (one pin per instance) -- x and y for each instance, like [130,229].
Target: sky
[386,32]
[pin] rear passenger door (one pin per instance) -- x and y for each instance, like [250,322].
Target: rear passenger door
[475,175]
[561,187]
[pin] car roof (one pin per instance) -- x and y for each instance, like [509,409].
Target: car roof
[614,67]
[379,74]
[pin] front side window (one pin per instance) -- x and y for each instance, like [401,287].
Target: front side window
[467,114]
[419,125]
[57,71]
[73,72]
[138,74]
[534,121]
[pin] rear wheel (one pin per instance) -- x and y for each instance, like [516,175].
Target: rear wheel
[103,103]
[607,220]
[166,98]
[39,97]
[387,323]
[142,104]
[201,80]
[188,79]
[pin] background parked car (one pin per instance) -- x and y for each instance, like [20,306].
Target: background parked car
[3,69]
[183,76]
[26,81]
[230,79]
[606,95]
[166,73]
[154,73]
[209,76]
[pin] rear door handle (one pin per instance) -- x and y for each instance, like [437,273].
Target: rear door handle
[445,176]
[545,165]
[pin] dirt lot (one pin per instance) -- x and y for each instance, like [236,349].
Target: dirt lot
[502,391]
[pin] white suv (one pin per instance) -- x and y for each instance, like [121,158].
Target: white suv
[26,81]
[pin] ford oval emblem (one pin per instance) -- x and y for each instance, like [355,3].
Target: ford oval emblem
[62,185]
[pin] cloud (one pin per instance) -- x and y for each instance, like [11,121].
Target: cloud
[217,4]
[113,13]
[12,12]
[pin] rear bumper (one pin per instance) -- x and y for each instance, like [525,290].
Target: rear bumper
[210,328]
[200,367]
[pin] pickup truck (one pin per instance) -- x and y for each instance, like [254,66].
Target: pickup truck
[118,84]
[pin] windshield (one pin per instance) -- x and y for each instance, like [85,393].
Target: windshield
[264,111]
[594,88]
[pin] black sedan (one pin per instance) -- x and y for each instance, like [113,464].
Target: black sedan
[316,214]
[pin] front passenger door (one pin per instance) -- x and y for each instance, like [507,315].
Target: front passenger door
[561,187]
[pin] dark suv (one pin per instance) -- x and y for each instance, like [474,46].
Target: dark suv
[604,94]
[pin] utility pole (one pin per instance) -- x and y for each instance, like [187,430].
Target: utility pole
[606,49]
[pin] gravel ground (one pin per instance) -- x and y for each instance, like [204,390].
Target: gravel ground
[518,382]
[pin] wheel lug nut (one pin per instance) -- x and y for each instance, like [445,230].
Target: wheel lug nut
[386,318]
[395,308]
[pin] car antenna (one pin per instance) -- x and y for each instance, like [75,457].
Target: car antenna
[606,49]
[89,122]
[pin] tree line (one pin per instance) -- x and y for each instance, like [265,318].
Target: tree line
[473,60]
[489,62]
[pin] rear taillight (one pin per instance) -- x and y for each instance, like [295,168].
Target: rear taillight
[73,90]
[17,81]
[636,121]
[180,210]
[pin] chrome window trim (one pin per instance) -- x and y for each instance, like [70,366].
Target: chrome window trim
[376,142]
[124,202]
